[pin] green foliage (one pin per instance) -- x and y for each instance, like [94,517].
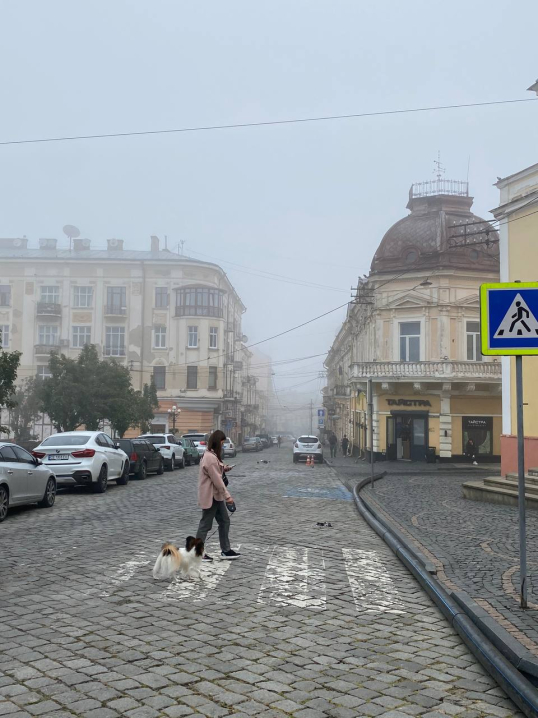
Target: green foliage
[149,403]
[26,409]
[86,391]
[9,365]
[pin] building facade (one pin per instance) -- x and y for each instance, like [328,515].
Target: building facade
[167,317]
[413,330]
[518,228]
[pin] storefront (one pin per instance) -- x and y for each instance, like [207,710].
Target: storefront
[407,429]
[477,435]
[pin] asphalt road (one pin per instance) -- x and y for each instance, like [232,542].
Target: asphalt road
[310,621]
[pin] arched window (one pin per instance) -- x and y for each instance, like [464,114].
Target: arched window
[199,302]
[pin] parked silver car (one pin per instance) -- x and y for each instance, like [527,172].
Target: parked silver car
[23,479]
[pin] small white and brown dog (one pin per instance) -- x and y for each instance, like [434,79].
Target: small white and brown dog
[172,559]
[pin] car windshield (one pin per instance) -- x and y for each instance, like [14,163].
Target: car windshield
[61,440]
[156,439]
[307,439]
[196,437]
[250,441]
[124,443]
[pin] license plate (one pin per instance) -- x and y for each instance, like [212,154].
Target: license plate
[58,457]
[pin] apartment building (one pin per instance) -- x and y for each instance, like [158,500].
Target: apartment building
[167,317]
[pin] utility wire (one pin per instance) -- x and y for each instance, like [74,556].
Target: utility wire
[265,123]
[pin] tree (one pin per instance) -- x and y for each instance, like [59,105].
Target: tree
[62,394]
[26,409]
[149,403]
[9,365]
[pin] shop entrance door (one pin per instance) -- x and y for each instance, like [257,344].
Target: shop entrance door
[406,436]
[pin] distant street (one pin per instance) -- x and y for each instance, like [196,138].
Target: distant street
[310,622]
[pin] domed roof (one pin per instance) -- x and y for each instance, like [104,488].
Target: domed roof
[432,234]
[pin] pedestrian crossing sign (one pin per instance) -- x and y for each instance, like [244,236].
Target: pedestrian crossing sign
[509,318]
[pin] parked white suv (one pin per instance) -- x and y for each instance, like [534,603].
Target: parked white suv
[171,451]
[199,440]
[306,446]
[84,458]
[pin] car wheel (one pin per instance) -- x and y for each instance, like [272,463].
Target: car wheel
[124,478]
[199,459]
[49,497]
[4,502]
[182,463]
[295,459]
[142,471]
[101,484]
[187,461]
[160,470]
[172,463]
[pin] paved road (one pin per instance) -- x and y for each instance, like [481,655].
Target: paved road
[310,622]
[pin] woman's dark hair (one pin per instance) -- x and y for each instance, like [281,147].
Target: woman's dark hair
[215,441]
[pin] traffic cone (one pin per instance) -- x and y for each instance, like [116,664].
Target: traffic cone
[308,460]
[312,462]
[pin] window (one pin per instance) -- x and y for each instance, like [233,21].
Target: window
[115,342]
[161,297]
[193,338]
[410,341]
[116,300]
[199,302]
[23,456]
[473,342]
[50,295]
[192,377]
[83,297]
[212,377]
[159,377]
[81,336]
[4,336]
[43,372]
[5,295]
[48,335]
[159,337]
[411,256]
[8,454]
[213,337]
[477,435]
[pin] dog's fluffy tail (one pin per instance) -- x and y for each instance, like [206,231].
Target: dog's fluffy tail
[167,563]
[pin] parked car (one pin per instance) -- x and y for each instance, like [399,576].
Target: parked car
[274,440]
[306,446]
[171,451]
[84,458]
[191,454]
[265,439]
[228,448]
[24,480]
[251,443]
[199,440]
[144,457]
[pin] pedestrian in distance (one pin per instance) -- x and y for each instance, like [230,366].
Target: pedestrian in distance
[279,441]
[333,444]
[213,495]
[470,451]
[345,445]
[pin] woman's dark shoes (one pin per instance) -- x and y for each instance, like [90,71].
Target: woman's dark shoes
[229,555]
[207,558]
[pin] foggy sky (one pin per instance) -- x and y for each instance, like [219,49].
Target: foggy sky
[311,202]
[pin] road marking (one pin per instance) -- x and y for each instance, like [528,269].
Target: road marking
[125,572]
[294,577]
[181,588]
[372,587]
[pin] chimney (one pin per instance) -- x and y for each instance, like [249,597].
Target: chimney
[114,245]
[81,245]
[14,243]
[47,243]
[154,243]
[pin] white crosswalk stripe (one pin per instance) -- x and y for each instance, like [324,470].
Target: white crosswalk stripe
[125,572]
[180,588]
[372,587]
[294,577]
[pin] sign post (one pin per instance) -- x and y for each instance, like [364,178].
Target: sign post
[509,327]
[370,398]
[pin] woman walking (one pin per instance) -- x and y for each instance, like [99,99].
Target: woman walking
[213,495]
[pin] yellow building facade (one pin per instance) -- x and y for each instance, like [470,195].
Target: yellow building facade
[518,234]
[413,330]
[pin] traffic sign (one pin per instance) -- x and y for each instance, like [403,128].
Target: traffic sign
[321,412]
[509,318]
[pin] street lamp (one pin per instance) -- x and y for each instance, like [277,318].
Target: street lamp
[173,414]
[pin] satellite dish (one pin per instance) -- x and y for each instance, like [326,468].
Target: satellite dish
[71,231]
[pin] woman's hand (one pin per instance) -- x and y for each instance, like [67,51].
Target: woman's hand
[229,500]
[227,468]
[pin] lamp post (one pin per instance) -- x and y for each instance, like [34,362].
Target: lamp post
[173,413]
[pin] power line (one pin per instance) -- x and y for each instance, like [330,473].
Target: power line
[264,123]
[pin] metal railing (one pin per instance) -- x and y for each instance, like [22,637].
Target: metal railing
[426,369]
[51,309]
[46,348]
[115,310]
[199,311]
[113,351]
[457,188]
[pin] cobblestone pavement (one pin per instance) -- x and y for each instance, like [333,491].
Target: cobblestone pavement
[475,544]
[310,622]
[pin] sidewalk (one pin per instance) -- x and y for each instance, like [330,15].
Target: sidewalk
[474,545]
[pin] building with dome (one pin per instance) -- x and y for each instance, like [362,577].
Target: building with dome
[413,329]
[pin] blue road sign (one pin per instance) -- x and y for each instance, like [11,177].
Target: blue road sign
[321,412]
[509,318]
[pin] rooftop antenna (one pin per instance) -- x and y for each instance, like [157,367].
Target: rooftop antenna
[439,169]
[72,232]
[180,247]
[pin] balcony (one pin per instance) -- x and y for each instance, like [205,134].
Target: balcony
[49,309]
[426,370]
[114,310]
[113,351]
[198,311]
[339,391]
[46,349]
